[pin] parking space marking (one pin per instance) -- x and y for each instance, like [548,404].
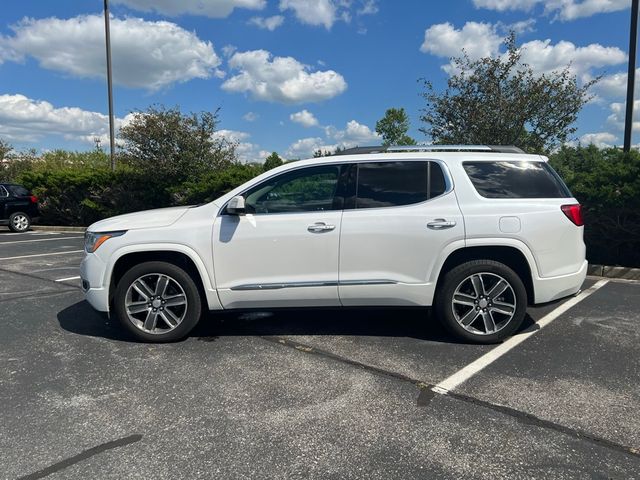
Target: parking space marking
[41,255]
[37,240]
[68,278]
[464,374]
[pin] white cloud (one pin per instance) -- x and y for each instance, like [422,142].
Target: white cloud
[617,116]
[369,7]
[304,118]
[26,120]
[354,134]
[600,139]
[281,79]
[149,55]
[312,12]
[267,23]
[305,147]
[615,85]
[250,116]
[476,39]
[563,9]
[207,8]
[326,12]
[545,57]
[482,40]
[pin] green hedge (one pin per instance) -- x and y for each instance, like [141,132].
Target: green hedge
[78,196]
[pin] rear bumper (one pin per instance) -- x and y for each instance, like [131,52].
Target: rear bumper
[554,288]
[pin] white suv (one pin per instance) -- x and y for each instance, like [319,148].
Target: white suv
[478,232]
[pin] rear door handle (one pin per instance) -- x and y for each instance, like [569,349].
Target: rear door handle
[440,224]
[319,227]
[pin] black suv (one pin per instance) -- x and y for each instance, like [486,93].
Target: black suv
[17,207]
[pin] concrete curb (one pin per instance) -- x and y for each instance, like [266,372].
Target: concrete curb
[47,228]
[626,273]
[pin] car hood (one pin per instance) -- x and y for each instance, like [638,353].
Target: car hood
[161,217]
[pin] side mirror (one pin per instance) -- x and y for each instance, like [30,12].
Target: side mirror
[236,205]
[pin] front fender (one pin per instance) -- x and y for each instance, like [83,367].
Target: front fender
[206,274]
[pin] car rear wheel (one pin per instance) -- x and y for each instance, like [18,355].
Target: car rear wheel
[482,301]
[19,222]
[157,302]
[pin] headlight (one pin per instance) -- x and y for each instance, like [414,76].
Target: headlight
[93,240]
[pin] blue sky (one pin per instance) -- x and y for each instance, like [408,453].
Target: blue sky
[288,75]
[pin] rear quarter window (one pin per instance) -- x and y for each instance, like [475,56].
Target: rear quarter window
[512,179]
[18,191]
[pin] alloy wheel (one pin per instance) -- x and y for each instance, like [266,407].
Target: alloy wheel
[20,222]
[483,303]
[156,303]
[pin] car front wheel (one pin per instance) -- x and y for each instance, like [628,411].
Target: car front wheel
[19,222]
[157,302]
[481,301]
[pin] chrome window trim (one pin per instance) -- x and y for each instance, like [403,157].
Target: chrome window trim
[3,189]
[279,286]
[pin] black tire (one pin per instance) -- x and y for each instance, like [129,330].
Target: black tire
[452,315]
[19,222]
[147,271]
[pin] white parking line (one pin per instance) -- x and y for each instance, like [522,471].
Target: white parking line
[488,358]
[42,255]
[38,240]
[68,278]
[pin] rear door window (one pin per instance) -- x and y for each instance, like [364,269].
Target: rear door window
[516,179]
[393,184]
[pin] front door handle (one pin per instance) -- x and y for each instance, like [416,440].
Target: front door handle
[440,224]
[319,227]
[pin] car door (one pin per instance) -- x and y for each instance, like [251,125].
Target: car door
[404,215]
[284,250]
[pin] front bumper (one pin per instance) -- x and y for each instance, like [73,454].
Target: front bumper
[92,270]
[554,288]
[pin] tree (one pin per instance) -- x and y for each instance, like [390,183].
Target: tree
[272,161]
[394,127]
[5,148]
[171,146]
[502,101]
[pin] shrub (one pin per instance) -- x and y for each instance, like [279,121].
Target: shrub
[73,196]
[607,184]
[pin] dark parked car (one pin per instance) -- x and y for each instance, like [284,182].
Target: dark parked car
[18,208]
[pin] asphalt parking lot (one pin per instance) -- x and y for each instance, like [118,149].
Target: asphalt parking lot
[368,393]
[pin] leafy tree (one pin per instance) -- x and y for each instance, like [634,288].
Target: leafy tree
[503,101]
[272,161]
[322,153]
[170,146]
[5,148]
[394,127]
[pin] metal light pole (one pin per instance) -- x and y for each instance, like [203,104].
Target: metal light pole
[112,143]
[631,75]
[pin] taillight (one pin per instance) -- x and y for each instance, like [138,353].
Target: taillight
[573,213]
[33,199]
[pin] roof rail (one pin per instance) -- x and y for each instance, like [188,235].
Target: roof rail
[362,150]
[456,148]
